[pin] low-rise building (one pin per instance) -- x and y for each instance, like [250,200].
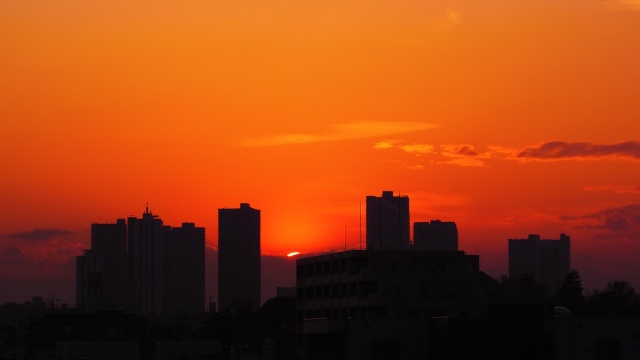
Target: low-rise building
[355,303]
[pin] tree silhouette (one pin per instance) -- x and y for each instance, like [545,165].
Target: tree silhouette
[618,300]
[570,292]
[523,286]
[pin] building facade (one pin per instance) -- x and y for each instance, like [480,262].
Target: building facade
[145,263]
[142,266]
[239,257]
[184,269]
[354,304]
[110,241]
[547,261]
[89,281]
[387,222]
[435,236]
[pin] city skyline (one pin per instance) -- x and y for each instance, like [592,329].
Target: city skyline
[235,216]
[510,118]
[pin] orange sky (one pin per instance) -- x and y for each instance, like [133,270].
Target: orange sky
[509,118]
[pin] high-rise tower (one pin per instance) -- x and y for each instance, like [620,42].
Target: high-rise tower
[110,242]
[548,261]
[145,264]
[184,269]
[387,222]
[435,236]
[239,257]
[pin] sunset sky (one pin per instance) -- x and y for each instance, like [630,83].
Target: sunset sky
[509,117]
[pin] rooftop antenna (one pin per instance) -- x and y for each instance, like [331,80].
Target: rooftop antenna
[345,238]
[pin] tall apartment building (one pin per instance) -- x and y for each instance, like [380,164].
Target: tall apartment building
[387,222]
[110,242]
[142,266]
[549,261]
[184,269]
[145,263]
[239,257]
[435,236]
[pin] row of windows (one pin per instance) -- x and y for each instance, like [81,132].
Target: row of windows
[336,291]
[354,265]
[364,289]
[370,312]
[361,312]
[335,266]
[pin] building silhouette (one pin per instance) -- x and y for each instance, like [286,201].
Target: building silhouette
[142,266]
[90,281]
[362,304]
[110,242]
[435,236]
[145,263]
[239,257]
[387,222]
[546,261]
[184,269]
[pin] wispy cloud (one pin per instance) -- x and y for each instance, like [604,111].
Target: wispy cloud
[469,155]
[38,234]
[464,150]
[408,148]
[417,148]
[448,21]
[386,144]
[463,155]
[441,22]
[454,154]
[341,132]
[559,150]
[632,5]
[623,189]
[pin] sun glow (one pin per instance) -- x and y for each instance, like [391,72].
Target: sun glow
[291,254]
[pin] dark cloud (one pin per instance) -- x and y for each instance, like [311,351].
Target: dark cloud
[467,151]
[38,234]
[459,150]
[554,150]
[13,256]
[620,222]
[626,218]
